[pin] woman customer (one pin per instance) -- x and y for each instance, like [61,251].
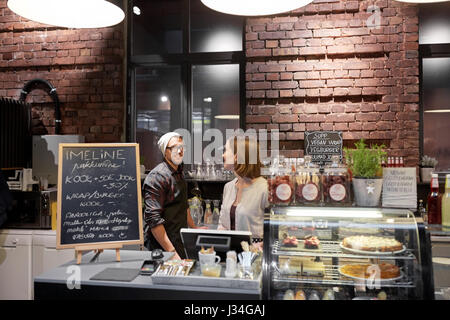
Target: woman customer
[245,197]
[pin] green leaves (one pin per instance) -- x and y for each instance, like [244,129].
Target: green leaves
[365,162]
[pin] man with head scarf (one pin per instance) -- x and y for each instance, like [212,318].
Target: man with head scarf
[165,195]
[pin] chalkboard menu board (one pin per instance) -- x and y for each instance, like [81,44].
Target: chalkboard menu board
[321,145]
[99,195]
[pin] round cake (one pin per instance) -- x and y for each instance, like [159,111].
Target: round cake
[371,243]
[386,270]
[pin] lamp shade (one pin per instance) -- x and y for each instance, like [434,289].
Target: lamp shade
[254,7]
[69,13]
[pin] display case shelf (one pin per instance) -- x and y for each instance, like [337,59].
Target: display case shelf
[332,249]
[332,277]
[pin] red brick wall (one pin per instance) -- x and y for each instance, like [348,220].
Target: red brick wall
[322,68]
[84,65]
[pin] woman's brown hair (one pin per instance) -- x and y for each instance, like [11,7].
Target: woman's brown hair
[250,165]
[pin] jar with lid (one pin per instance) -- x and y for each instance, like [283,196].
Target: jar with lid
[307,183]
[281,186]
[335,182]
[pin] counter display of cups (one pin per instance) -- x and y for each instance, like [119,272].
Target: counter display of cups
[208,256]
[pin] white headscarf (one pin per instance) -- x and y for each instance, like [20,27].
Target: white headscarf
[164,140]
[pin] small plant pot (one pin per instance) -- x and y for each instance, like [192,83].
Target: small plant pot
[425,174]
[367,191]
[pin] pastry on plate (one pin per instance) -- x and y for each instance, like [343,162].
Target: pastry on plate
[310,267]
[311,242]
[372,243]
[385,271]
[290,241]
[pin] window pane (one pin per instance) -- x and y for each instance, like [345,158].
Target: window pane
[215,99]
[434,23]
[436,128]
[158,27]
[158,108]
[212,31]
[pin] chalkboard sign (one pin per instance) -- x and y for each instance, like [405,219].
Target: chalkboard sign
[99,195]
[322,145]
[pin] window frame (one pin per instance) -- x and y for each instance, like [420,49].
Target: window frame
[185,60]
[427,51]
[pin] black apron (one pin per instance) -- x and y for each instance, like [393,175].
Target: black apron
[175,216]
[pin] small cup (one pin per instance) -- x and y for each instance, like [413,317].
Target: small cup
[211,270]
[208,258]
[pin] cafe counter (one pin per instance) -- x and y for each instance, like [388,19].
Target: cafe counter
[72,281]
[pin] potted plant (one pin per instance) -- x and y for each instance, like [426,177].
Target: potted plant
[365,166]
[427,166]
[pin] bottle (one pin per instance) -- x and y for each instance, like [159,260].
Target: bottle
[208,213]
[402,164]
[231,264]
[423,212]
[216,212]
[389,162]
[446,205]
[433,203]
[397,162]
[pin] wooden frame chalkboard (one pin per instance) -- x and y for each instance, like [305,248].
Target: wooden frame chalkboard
[99,196]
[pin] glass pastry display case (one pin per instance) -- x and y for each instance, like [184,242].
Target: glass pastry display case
[345,253]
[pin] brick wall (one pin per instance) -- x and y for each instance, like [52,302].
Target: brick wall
[322,68]
[84,65]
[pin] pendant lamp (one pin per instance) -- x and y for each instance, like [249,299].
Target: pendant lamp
[70,13]
[422,1]
[254,7]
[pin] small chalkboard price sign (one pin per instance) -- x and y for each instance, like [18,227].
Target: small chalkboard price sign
[322,145]
[99,197]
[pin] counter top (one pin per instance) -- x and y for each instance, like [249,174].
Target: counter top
[53,284]
[438,233]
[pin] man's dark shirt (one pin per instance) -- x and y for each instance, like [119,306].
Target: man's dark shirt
[160,188]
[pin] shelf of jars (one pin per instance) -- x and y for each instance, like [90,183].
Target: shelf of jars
[302,182]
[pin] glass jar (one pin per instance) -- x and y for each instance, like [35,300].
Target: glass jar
[336,184]
[265,168]
[307,183]
[281,186]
